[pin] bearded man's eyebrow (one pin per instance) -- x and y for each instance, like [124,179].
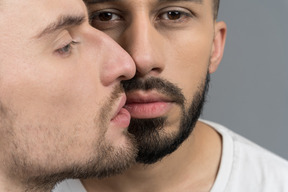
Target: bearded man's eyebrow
[98,1]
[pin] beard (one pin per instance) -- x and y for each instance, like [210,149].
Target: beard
[105,160]
[152,140]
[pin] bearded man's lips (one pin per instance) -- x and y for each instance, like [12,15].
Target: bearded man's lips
[147,104]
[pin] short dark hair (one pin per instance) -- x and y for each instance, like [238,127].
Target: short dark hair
[216,8]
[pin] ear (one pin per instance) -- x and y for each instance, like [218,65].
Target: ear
[218,46]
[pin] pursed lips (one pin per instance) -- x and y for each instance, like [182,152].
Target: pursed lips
[121,117]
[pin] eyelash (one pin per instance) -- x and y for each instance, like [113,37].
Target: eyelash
[63,50]
[180,13]
[97,14]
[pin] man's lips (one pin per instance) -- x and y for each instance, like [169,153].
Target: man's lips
[121,117]
[147,105]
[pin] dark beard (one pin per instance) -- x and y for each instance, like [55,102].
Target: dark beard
[153,143]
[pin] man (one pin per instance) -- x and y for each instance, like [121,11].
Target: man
[61,101]
[176,45]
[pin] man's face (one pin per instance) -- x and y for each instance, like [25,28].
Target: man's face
[174,44]
[60,95]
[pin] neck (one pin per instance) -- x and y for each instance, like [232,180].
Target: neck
[192,167]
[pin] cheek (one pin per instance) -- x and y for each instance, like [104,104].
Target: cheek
[51,98]
[50,102]
[63,114]
[190,65]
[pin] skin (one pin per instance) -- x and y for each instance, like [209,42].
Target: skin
[61,103]
[181,50]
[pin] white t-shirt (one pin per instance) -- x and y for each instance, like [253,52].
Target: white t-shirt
[245,167]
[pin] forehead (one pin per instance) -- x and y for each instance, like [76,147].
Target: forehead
[26,8]
[33,15]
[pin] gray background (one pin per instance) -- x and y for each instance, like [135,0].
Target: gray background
[249,91]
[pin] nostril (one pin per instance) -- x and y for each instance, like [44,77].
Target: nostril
[144,72]
[123,77]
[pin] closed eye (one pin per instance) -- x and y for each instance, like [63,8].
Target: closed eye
[66,50]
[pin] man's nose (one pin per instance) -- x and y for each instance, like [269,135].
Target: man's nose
[143,42]
[117,63]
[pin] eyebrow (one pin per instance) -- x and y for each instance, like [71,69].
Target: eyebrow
[161,1]
[195,1]
[62,22]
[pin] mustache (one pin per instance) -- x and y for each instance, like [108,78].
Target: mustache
[153,83]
